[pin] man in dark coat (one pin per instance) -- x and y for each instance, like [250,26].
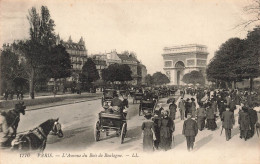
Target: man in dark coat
[253,120]
[187,107]
[173,110]
[221,106]
[228,121]
[190,130]
[243,121]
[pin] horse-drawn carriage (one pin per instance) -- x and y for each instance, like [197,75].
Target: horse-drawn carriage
[147,106]
[110,122]
[137,96]
[172,91]
[108,95]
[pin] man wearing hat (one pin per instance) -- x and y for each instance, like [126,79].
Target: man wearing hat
[116,103]
[201,114]
[172,109]
[228,122]
[243,121]
[181,108]
[187,107]
[190,130]
[253,120]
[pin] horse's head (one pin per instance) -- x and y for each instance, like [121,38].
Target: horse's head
[20,107]
[56,129]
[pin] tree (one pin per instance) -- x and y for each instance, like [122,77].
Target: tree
[194,77]
[117,72]
[124,73]
[250,61]
[160,78]
[224,65]
[36,49]
[252,9]
[149,80]
[59,65]
[9,68]
[89,73]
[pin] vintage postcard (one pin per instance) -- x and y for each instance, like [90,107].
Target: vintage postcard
[129,81]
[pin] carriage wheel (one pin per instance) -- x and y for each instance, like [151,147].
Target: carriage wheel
[97,131]
[123,133]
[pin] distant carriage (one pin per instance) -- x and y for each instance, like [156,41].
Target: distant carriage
[137,97]
[110,122]
[147,106]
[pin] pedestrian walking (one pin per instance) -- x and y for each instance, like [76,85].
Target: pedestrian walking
[201,113]
[156,120]
[6,94]
[211,122]
[17,95]
[173,109]
[190,130]
[228,122]
[253,120]
[193,108]
[167,127]
[148,133]
[187,107]
[181,106]
[244,123]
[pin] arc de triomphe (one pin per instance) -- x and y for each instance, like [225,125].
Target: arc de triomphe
[179,60]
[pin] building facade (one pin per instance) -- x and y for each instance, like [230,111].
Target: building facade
[139,70]
[179,60]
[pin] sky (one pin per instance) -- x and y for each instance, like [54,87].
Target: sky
[143,26]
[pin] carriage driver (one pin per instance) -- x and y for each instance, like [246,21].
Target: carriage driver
[5,131]
[116,104]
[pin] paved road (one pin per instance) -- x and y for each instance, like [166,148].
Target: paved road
[78,122]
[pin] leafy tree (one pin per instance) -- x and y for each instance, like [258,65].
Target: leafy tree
[224,65]
[149,80]
[250,61]
[9,68]
[160,78]
[89,73]
[194,77]
[59,65]
[124,73]
[36,49]
[117,72]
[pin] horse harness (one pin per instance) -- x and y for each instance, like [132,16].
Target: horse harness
[39,133]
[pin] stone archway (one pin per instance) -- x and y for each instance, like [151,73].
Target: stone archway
[179,66]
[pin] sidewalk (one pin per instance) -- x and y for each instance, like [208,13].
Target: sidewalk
[27,97]
[47,101]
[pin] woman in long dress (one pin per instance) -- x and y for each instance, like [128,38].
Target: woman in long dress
[148,133]
[167,127]
[211,122]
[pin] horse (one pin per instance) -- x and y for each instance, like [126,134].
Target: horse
[12,118]
[36,139]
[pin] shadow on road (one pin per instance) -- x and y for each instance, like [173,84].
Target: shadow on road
[203,142]
[234,132]
[133,134]
[178,139]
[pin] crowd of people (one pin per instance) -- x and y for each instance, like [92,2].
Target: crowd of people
[199,112]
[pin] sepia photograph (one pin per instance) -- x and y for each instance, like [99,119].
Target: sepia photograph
[129,81]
